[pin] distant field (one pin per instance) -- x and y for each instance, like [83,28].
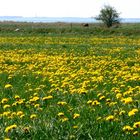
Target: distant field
[69,82]
[69,29]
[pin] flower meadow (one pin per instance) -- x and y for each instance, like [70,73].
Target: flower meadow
[69,88]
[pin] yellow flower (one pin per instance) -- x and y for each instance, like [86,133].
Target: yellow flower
[127,100]
[9,128]
[15,104]
[83,91]
[122,112]
[13,114]
[99,94]
[136,124]
[102,97]
[8,86]
[21,101]
[19,113]
[36,105]
[132,112]
[7,113]
[135,110]
[17,97]
[112,103]
[64,119]
[75,126]
[4,100]
[47,97]
[108,100]
[33,116]
[118,95]
[89,102]
[6,106]
[95,102]
[60,114]
[35,94]
[76,115]
[62,103]
[135,133]
[35,98]
[127,128]
[6,138]
[110,118]
[22,116]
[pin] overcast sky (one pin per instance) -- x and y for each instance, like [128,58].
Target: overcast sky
[67,8]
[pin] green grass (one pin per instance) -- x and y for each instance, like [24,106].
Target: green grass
[83,79]
[66,29]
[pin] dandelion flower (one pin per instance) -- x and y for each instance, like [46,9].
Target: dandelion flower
[37,105]
[89,102]
[75,126]
[110,118]
[21,116]
[60,114]
[102,97]
[7,86]
[127,128]
[122,112]
[135,133]
[132,112]
[95,102]
[4,100]
[136,124]
[35,98]
[65,119]
[62,103]
[17,97]
[6,138]
[9,128]
[6,106]
[47,97]
[19,113]
[76,115]
[118,95]
[127,100]
[33,116]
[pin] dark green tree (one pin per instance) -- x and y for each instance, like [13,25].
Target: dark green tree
[109,16]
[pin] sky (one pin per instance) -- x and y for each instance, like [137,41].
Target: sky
[67,8]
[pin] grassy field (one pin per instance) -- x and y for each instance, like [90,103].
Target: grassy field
[69,82]
[66,29]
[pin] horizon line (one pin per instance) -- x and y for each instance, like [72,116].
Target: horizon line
[62,17]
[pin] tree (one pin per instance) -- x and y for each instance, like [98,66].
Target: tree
[109,16]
